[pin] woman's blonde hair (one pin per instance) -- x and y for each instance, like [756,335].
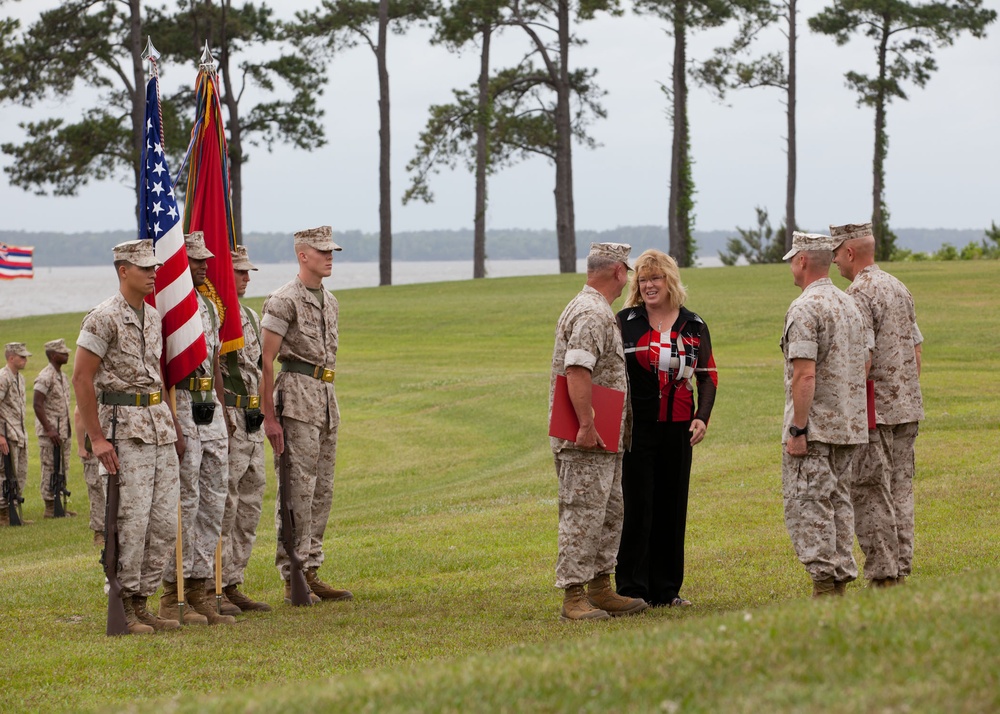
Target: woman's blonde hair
[655,262]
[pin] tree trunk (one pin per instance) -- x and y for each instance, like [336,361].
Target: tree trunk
[565,229]
[235,134]
[878,163]
[138,98]
[677,223]
[384,185]
[790,225]
[482,126]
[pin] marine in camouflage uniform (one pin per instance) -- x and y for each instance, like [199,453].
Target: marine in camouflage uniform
[882,488]
[50,400]
[12,408]
[117,373]
[204,468]
[825,418]
[241,372]
[92,477]
[299,328]
[588,351]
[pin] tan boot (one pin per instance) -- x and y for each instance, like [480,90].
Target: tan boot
[601,595]
[577,607]
[840,588]
[50,509]
[313,598]
[824,588]
[228,607]
[148,618]
[98,539]
[880,583]
[4,517]
[195,587]
[324,591]
[243,602]
[169,610]
[135,627]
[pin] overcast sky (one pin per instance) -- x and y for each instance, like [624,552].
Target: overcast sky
[942,169]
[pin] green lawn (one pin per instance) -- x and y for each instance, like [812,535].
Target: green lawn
[444,527]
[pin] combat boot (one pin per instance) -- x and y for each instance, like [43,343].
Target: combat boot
[135,627]
[577,607]
[840,588]
[228,607]
[4,517]
[195,588]
[824,588]
[148,618]
[313,597]
[880,583]
[324,591]
[243,602]
[98,539]
[50,509]
[168,607]
[603,597]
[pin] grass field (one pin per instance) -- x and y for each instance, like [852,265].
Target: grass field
[444,527]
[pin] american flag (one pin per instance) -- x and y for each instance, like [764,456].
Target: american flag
[15,262]
[175,299]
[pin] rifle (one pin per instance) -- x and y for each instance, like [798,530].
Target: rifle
[57,481]
[300,589]
[117,625]
[11,489]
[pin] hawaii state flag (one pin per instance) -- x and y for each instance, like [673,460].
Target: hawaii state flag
[175,299]
[15,262]
[208,206]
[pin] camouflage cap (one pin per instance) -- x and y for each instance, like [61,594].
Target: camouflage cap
[849,231]
[17,348]
[194,243]
[57,346]
[808,241]
[241,261]
[136,252]
[319,238]
[615,251]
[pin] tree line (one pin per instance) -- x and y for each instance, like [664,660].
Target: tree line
[542,104]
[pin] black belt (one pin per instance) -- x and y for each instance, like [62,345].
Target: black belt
[243,401]
[123,399]
[321,373]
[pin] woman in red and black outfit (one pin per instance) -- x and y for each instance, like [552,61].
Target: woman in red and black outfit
[667,351]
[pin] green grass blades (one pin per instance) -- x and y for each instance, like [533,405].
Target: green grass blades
[444,527]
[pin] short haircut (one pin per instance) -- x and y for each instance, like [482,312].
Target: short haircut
[600,263]
[656,262]
[819,259]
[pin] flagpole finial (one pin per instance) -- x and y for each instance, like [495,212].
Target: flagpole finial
[150,52]
[207,60]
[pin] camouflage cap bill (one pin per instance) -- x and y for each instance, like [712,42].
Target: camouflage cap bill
[16,348]
[615,251]
[808,241]
[194,243]
[136,252]
[57,346]
[241,261]
[319,238]
[849,231]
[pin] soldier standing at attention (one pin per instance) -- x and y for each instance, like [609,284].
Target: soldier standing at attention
[299,328]
[204,468]
[92,476]
[588,351]
[117,373]
[241,378]
[13,401]
[882,488]
[50,400]
[825,350]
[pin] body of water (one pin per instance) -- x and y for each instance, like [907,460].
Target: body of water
[77,289]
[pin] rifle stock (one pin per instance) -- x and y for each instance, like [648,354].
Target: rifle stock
[57,481]
[11,489]
[117,625]
[300,589]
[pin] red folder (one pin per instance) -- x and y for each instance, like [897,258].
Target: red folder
[607,404]
[870,394]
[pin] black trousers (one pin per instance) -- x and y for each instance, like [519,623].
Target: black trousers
[655,478]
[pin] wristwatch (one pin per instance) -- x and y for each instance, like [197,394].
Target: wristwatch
[796,431]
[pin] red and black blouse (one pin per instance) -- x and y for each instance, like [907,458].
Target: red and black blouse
[662,368]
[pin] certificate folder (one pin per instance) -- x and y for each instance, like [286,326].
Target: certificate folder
[607,404]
